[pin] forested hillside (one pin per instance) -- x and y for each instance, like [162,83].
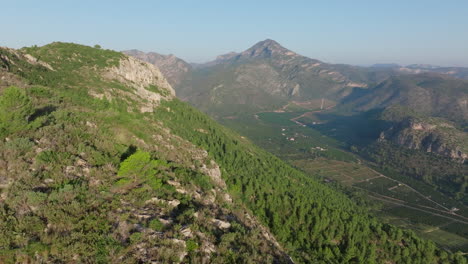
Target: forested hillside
[101,163]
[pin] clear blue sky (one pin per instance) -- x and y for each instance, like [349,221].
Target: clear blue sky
[348,31]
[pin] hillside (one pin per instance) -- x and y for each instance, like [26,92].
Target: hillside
[101,163]
[88,174]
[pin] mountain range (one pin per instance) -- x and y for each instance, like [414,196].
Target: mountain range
[268,76]
[264,76]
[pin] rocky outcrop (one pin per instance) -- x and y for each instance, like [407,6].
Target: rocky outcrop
[6,59]
[139,74]
[173,68]
[441,138]
[149,83]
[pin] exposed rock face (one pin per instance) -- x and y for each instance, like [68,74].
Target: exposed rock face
[35,61]
[441,139]
[27,57]
[173,68]
[142,76]
[215,173]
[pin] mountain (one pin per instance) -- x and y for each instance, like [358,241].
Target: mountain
[262,50]
[424,112]
[456,72]
[430,149]
[385,65]
[268,76]
[100,163]
[429,94]
[413,130]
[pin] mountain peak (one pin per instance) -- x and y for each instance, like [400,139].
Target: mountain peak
[269,42]
[266,49]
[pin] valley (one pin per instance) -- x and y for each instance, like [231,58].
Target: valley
[398,199]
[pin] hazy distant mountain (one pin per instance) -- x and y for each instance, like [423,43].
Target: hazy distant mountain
[428,93]
[385,65]
[423,66]
[457,72]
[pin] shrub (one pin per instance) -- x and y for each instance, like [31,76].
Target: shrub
[191,245]
[15,109]
[156,225]
[140,167]
[19,146]
[136,237]
[138,164]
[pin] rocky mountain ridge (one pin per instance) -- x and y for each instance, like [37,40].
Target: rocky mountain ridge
[435,137]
